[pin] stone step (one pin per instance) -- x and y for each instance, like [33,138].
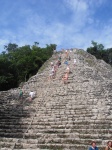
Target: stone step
[34,143]
[11,135]
[58,121]
[66,116]
[48,140]
[57,112]
[55,146]
[6,145]
[50,129]
[75,132]
[34,133]
[5,149]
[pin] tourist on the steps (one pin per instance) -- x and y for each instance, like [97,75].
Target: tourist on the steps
[65,78]
[93,146]
[52,64]
[55,69]
[66,62]
[54,51]
[32,95]
[69,58]
[68,69]
[58,63]
[66,54]
[20,94]
[59,58]
[71,50]
[109,146]
[74,63]
[52,73]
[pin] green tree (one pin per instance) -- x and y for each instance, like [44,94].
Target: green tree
[100,53]
[18,64]
[11,47]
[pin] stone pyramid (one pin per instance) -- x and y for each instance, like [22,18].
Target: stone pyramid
[62,116]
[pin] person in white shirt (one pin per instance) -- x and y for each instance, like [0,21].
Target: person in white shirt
[32,95]
[68,69]
[52,64]
[74,62]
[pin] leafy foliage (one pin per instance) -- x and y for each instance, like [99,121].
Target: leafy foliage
[100,53]
[18,64]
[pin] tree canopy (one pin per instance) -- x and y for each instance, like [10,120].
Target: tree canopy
[100,52]
[18,64]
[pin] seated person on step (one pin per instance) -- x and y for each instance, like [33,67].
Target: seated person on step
[93,146]
[109,145]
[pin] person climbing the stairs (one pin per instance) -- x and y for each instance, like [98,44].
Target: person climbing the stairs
[66,62]
[59,58]
[32,95]
[109,146]
[52,64]
[93,146]
[68,69]
[20,94]
[58,63]
[74,63]
[52,73]
[65,78]
[66,54]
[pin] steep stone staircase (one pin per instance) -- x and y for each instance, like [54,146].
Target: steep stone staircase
[62,116]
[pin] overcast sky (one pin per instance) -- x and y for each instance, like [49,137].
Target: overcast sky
[67,23]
